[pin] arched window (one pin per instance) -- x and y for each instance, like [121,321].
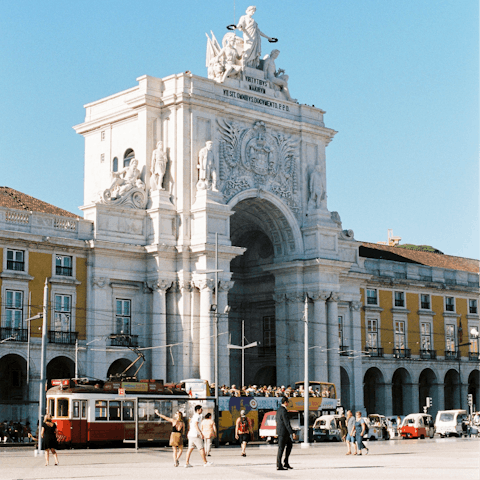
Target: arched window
[115,165]
[127,158]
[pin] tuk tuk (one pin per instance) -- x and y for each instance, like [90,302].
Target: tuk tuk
[450,423]
[417,425]
[378,429]
[326,428]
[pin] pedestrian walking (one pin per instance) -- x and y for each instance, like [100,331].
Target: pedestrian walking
[284,434]
[209,432]
[359,430]
[176,436]
[49,436]
[243,430]
[195,438]
[350,438]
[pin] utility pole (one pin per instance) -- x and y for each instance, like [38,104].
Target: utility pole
[41,398]
[306,406]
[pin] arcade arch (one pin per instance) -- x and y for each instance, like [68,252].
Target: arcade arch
[118,366]
[473,388]
[60,367]
[427,387]
[345,388]
[13,378]
[401,392]
[452,390]
[374,391]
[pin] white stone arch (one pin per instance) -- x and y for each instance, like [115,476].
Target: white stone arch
[274,218]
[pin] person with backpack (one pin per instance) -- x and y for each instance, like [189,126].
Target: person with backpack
[359,431]
[243,431]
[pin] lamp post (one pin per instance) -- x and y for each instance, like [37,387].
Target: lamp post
[41,399]
[35,317]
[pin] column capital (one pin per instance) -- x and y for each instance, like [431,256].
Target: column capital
[205,284]
[334,297]
[100,282]
[355,306]
[225,286]
[185,285]
[160,284]
[318,295]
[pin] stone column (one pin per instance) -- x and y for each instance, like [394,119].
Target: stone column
[318,337]
[356,347]
[281,350]
[223,333]
[295,337]
[385,391]
[97,366]
[440,397]
[332,342]
[159,329]
[411,394]
[184,325]
[206,330]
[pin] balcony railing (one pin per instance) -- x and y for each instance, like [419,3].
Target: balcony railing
[428,354]
[402,353]
[14,334]
[15,265]
[374,351]
[122,340]
[65,338]
[63,271]
[473,356]
[452,354]
[343,350]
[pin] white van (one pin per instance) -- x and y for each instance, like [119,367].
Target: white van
[450,423]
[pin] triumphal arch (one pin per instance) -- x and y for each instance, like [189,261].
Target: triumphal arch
[187,175]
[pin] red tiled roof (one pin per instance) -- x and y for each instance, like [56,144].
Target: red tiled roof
[10,198]
[429,259]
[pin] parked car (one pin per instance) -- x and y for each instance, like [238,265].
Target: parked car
[417,425]
[449,423]
[377,427]
[326,428]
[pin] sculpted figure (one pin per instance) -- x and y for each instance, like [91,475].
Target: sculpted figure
[206,164]
[158,167]
[274,76]
[316,189]
[252,47]
[126,179]
[228,56]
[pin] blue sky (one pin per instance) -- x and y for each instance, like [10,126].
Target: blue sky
[398,80]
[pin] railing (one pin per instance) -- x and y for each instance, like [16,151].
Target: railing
[428,354]
[343,350]
[15,265]
[118,340]
[64,271]
[473,356]
[14,334]
[65,338]
[374,351]
[402,353]
[452,354]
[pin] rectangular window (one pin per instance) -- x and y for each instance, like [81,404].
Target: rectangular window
[399,299]
[16,260]
[400,335]
[76,409]
[340,331]
[51,407]
[114,408]
[450,343]
[372,333]
[473,343]
[101,410]
[63,265]
[62,407]
[63,313]
[426,336]
[269,332]
[425,302]
[449,304]
[472,307]
[102,157]
[372,297]
[14,309]
[128,411]
[102,135]
[84,409]
[123,317]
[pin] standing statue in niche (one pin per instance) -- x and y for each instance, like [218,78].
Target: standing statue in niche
[158,167]
[206,164]
[251,38]
[316,188]
[276,77]
[125,180]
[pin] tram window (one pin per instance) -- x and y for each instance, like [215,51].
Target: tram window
[114,410]
[164,407]
[100,410]
[143,409]
[128,412]
[51,407]
[62,407]
[76,409]
[84,409]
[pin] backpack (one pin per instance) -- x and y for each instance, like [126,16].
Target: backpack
[366,429]
[243,425]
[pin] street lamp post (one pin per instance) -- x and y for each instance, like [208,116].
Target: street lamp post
[41,399]
[28,320]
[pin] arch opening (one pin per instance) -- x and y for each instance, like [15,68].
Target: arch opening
[374,391]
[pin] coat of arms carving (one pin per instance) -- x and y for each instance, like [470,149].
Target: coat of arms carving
[257,157]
